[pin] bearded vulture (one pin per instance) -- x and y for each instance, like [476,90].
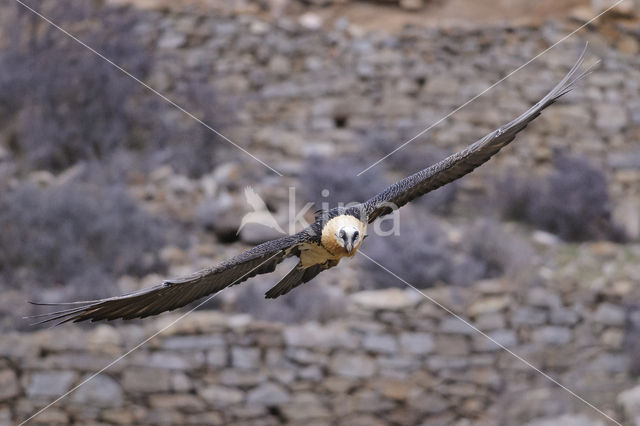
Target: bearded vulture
[335,234]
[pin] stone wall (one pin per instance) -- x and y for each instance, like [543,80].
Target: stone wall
[296,90]
[292,90]
[394,358]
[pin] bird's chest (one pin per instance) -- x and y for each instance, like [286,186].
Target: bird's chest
[313,254]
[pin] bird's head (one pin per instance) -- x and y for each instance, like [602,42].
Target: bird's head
[348,237]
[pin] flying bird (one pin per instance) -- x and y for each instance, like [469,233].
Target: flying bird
[335,234]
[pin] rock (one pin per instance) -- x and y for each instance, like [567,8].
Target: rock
[184,343]
[552,335]
[51,416]
[565,116]
[452,345]
[104,339]
[383,343]
[9,387]
[280,65]
[541,297]
[489,305]
[630,401]
[545,238]
[99,391]
[525,315]
[117,416]
[180,382]
[604,250]
[139,379]
[625,8]
[369,401]
[455,326]
[635,117]
[171,40]
[312,335]
[268,394]
[611,117]
[284,375]
[304,406]
[245,358]
[220,396]
[628,45]
[441,84]
[241,378]
[59,340]
[611,363]
[427,402]
[170,360]
[612,337]
[50,384]
[310,21]
[217,357]
[417,343]
[352,365]
[14,345]
[41,178]
[492,321]
[239,322]
[627,214]
[394,389]
[184,402]
[301,412]
[507,338]
[312,372]
[567,420]
[392,299]
[609,314]
[305,356]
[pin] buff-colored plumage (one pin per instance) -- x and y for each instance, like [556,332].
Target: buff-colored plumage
[330,231]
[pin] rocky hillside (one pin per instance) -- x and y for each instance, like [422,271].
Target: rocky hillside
[106,188]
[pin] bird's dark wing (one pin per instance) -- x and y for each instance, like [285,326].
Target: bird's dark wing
[465,161]
[176,293]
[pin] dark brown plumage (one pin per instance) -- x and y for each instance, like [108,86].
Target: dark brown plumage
[319,246]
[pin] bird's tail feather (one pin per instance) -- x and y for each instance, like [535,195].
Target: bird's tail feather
[290,281]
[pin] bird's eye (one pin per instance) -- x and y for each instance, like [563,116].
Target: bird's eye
[356,235]
[342,234]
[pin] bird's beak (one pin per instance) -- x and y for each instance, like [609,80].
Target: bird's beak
[348,247]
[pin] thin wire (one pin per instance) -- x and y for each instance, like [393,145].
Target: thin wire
[500,345]
[173,103]
[490,87]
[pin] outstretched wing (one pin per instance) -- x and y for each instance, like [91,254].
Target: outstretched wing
[175,293]
[465,161]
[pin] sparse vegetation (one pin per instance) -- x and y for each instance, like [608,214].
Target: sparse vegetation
[421,254]
[67,104]
[75,234]
[499,251]
[61,103]
[572,202]
[424,255]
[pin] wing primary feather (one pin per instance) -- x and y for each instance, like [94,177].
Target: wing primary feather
[172,294]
